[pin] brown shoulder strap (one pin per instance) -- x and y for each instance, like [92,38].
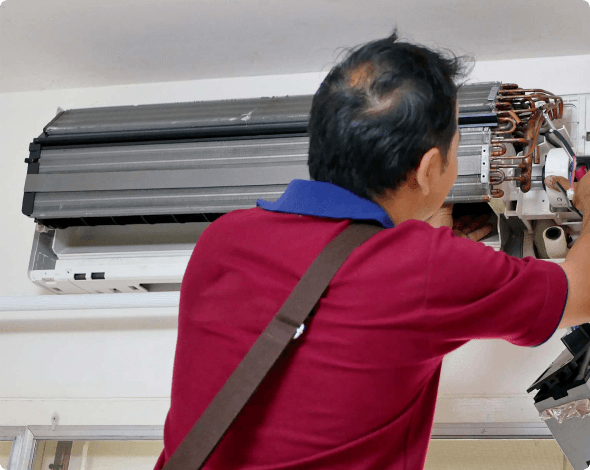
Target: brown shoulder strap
[287,324]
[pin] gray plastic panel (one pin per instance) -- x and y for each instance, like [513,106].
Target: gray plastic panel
[182,115]
[246,170]
[154,202]
[202,176]
[177,156]
[42,255]
[289,109]
[166,179]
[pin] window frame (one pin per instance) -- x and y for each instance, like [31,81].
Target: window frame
[25,438]
[22,449]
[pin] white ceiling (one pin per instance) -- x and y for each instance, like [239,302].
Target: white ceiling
[56,44]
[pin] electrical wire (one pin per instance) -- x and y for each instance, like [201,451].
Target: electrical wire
[570,204]
[564,143]
[550,140]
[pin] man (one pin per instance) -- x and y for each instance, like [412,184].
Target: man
[357,390]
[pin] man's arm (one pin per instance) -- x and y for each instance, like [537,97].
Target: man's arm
[467,228]
[577,261]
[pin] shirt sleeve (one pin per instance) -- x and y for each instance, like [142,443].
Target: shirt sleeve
[474,292]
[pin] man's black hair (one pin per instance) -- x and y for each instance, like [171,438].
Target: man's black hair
[378,112]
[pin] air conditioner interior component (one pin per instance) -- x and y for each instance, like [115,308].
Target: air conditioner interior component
[107,259]
[178,162]
[477,104]
[473,158]
[121,194]
[567,380]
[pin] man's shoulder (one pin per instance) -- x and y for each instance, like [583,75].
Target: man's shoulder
[233,220]
[259,219]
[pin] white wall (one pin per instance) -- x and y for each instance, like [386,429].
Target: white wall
[107,372]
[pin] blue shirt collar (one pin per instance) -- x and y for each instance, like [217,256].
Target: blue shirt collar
[323,199]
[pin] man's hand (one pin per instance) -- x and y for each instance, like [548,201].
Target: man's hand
[464,227]
[581,190]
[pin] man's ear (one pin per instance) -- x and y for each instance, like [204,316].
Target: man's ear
[428,169]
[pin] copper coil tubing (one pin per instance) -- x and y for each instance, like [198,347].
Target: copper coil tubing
[517,112]
[498,150]
[509,157]
[497,177]
[503,106]
[518,98]
[555,110]
[520,179]
[498,166]
[557,99]
[509,140]
[509,89]
[555,103]
[532,132]
[515,89]
[520,120]
[506,126]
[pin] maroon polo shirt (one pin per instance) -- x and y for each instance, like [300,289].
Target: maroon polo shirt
[358,389]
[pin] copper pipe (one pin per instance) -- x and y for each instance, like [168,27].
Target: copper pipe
[555,110]
[498,150]
[520,179]
[514,116]
[502,178]
[514,96]
[532,134]
[519,92]
[512,140]
[510,157]
[534,98]
[518,112]
[508,165]
[526,176]
[496,193]
[510,98]
[557,99]
[538,90]
[509,129]
[497,177]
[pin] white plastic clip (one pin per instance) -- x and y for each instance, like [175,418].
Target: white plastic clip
[299,331]
[54,420]
[570,194]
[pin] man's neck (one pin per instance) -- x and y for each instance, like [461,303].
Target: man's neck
[403,204]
